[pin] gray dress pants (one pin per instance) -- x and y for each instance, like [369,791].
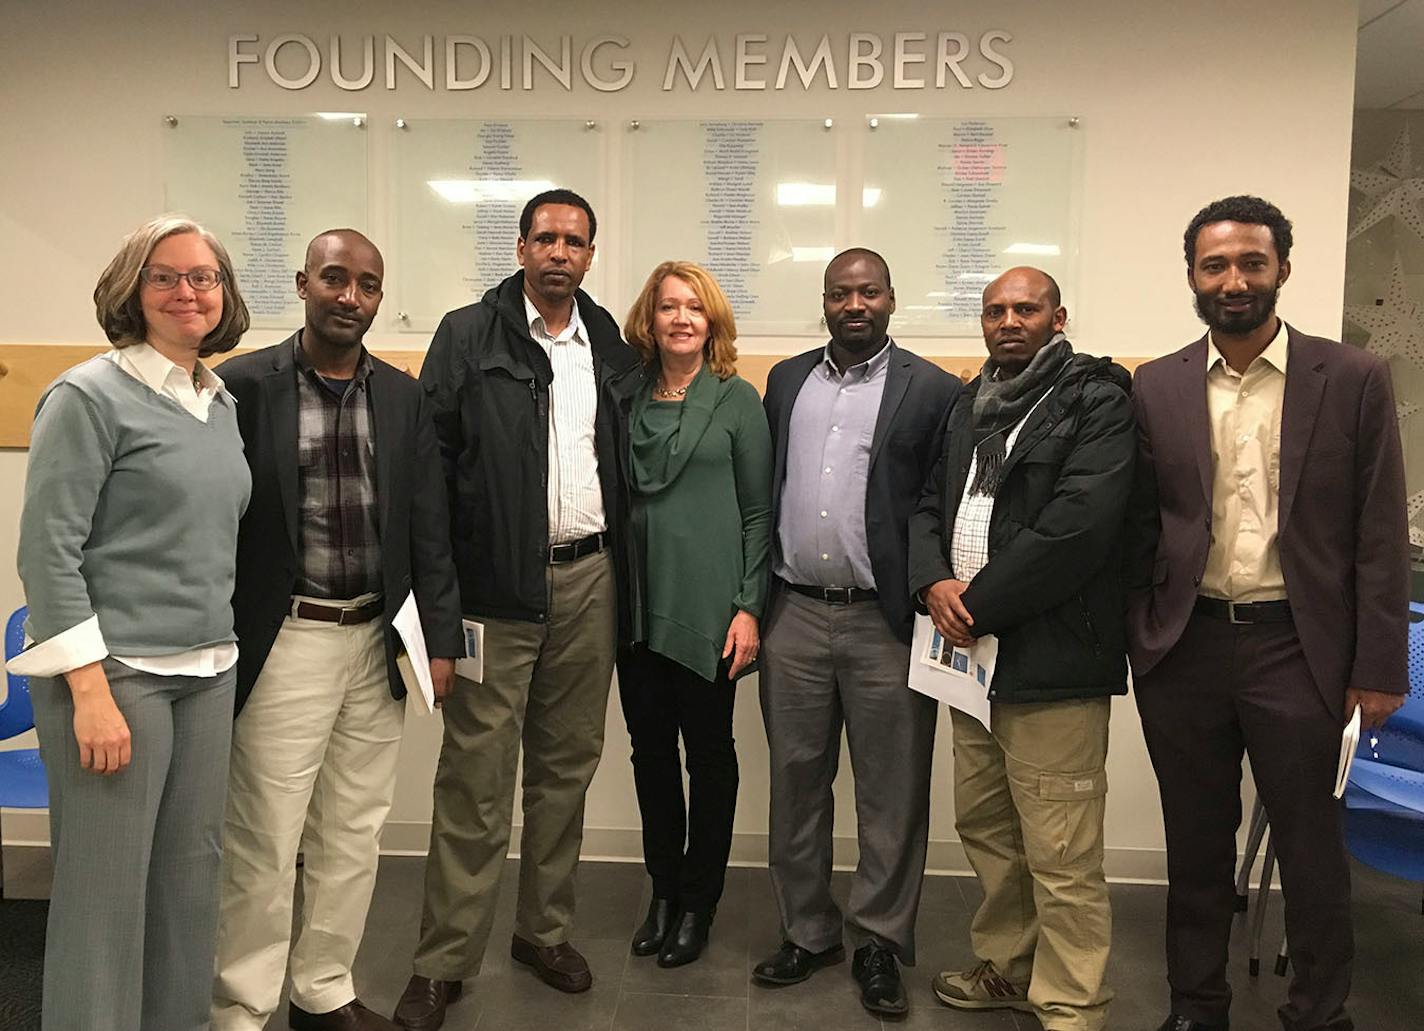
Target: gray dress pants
[823,667]
[137,855]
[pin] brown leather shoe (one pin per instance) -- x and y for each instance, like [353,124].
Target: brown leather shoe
[422,1004]
[351,1017]
[559,966]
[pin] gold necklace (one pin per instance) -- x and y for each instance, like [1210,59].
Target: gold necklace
[663,390]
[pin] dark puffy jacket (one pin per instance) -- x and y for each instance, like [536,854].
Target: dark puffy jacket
[1052,590]
[488,384]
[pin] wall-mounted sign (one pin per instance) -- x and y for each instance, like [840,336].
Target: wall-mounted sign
[749,61]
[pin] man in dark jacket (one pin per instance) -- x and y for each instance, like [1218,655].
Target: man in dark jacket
[347,519]
[530,390]
[854,428]
[1017,536]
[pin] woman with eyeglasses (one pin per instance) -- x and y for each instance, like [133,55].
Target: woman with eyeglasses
[135,485]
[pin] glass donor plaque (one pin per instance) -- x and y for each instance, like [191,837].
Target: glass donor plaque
[753,201]
[954,202]
[459,187]
[266,186]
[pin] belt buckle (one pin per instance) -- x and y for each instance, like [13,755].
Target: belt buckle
[837,595]
[1231,615]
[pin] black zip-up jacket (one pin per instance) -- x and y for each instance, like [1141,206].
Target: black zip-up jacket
[1052,591]
[488,385]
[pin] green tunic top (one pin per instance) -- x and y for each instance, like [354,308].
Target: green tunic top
[702,512]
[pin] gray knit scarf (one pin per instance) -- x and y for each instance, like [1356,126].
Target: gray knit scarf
[1001,403]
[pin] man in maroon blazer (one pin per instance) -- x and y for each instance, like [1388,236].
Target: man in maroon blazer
[1268,552]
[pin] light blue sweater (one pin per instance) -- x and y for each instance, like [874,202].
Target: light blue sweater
[131,512]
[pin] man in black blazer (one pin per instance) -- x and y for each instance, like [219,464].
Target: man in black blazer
[348,517]
[855,426]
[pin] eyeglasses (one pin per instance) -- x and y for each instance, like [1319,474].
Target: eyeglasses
[161,277]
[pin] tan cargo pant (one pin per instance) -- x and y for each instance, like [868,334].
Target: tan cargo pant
[545,687]
[1029,802]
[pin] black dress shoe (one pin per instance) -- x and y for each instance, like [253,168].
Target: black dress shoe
[792,964]
[648,938]
[881,990]
[1177,1022]
[686,940]
[422,1004]
[351,1017]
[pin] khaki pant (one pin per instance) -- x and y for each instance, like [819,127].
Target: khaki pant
[1029,801]
[313,767]
[546,687]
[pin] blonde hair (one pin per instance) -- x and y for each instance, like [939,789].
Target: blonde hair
[116,300]
[720,351]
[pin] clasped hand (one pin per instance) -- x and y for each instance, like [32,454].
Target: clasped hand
[948,613]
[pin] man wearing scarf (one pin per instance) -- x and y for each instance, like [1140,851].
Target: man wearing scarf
[1018,536]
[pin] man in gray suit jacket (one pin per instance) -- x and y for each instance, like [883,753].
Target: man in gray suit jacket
[1269,556]
[855,426]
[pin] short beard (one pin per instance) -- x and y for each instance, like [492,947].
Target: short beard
[1236,324]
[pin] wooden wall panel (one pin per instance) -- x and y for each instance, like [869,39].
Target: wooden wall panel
[26,369]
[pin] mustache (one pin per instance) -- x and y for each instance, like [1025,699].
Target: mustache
[1262,307]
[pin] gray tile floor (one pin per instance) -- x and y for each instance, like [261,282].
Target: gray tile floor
[715,993]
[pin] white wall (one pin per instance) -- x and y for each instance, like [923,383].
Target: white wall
[1180,103]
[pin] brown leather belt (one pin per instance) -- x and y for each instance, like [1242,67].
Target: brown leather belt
[834,595]
[338,614]
[1243,612]
[560,553]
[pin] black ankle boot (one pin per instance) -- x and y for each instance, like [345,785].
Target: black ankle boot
[686,939]
[648,938]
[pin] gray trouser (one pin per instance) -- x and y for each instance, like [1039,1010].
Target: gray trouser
[824,666]
[137,855]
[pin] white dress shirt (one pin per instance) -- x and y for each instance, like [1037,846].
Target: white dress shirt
[575,494]
[84,643]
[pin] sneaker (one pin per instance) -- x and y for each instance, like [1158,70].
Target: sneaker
[981,987]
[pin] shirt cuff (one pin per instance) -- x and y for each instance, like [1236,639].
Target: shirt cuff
[75,647]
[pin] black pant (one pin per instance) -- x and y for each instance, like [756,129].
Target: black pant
[685,845]
[1224,689]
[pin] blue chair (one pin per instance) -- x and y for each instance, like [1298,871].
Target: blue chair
[1384,802]
[22,775]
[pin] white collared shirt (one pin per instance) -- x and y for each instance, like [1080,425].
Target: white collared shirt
[574,492]
[84,643]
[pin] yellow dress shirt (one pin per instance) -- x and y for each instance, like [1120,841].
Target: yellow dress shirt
[1244,409]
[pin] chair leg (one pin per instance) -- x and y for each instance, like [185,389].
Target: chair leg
[1253,846]
[1258,918]
[1283,957]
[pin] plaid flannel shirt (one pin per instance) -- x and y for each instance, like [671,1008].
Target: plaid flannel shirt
[337,530]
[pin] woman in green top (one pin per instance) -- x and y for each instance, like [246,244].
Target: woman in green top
[701,470]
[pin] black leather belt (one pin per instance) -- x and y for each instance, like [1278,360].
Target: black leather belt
[1245,612]
[594,542]
[834,595]
[339,614]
